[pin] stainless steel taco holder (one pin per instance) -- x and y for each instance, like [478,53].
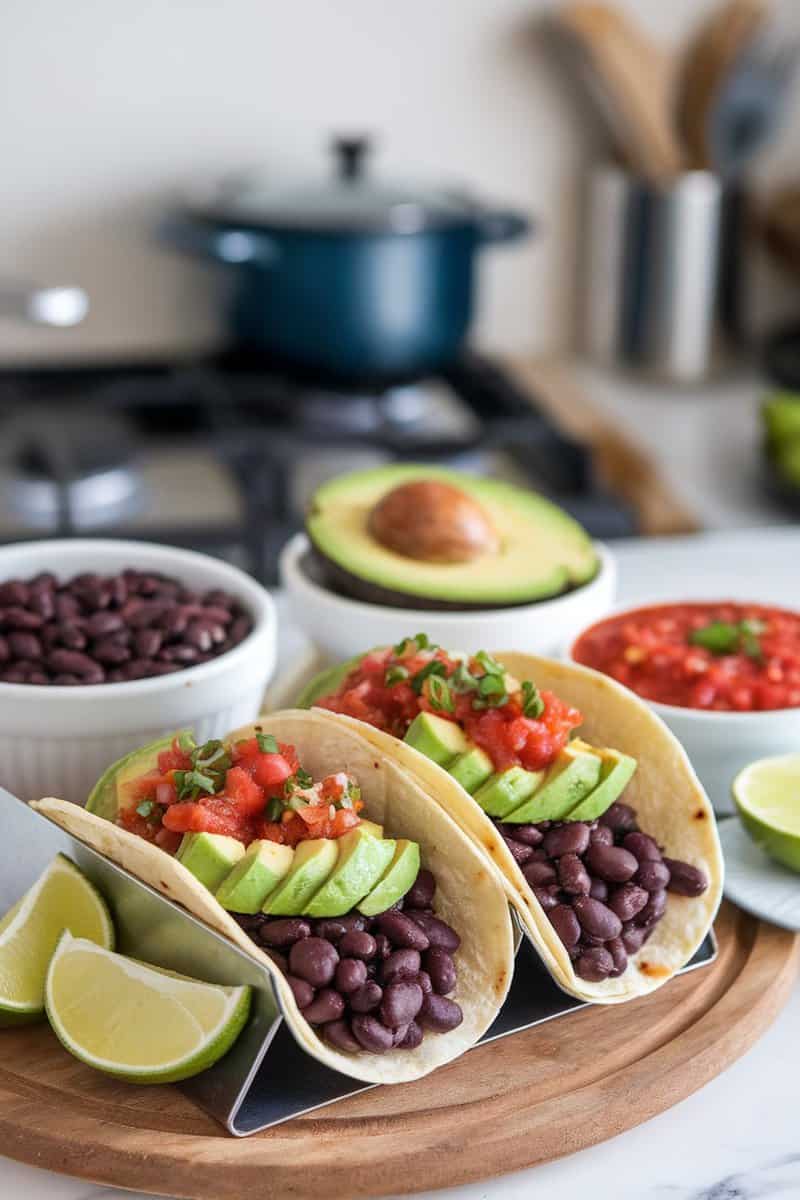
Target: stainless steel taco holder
[267,1077]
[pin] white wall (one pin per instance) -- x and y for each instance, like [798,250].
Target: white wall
[108,105]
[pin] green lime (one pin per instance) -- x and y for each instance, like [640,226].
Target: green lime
[767,794]
[135,1021]
[62,898]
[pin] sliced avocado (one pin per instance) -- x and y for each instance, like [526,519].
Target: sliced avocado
[257,873]
[471,769]
[209,856]
[354,561]
[436,738]
[361,861]
[573,775]
[616,770]
[312,864]
[104,798]
[372,827]
[396,880]
[506,790]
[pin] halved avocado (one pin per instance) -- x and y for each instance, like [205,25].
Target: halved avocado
[539,551]
[104,796]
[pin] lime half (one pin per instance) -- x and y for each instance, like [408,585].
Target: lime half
[767,794]
[135,1021]
[62,898]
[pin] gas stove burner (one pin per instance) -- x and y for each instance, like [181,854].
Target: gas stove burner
[69,470]
[422,411]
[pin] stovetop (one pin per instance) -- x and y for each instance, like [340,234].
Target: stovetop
[223,453]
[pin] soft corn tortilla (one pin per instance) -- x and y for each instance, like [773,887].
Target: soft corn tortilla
[665,791]
[468,895]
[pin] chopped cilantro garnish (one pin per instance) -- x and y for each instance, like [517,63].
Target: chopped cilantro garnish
[267,743]
[189,784]
[395,674]
[303,778]
[532,702]
[723,637]
[439,694]
[145,808]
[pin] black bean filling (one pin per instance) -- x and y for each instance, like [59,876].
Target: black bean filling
[603,884]
[111,628]
[369,983]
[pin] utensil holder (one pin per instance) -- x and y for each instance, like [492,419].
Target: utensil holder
[664,273]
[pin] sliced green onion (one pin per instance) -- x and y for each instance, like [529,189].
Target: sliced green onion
[303,778]
[434,667]
[462,680]
[267,743]
[274,809]
[395,674]
[532,702]
[439,694]
[189,784]
[491,685]
[490,665]
[186,742]
[145,808]
[423,641]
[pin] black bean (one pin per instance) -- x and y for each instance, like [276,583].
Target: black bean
[547,896]
[684,879]
[594,964]
[371,1034]
[100,624]
[25,645]
[357,944]
[439,1013]
[43,603]
[599,889]
[5,653]
[422,977]
[402,931]
[354,921]
[303,991]
[351,974]
[406,961]
[601,835]
[72,661]
[519,851]
[110,652]
[14,592]
[284,932]
[596,918]
[67,607]
[148,642]
[573,876]
[438,932]
[422,890]
[38,677]
[64,679]
[628,900]
[326,1006]
[620,818]
[383,947]
[531,835]
[20,618]
[180,653]
[413,1037]
[570,838]
[250,923]
[339,1035]
[616,948]
[653,876]
[632,938]
[441,969]
[565,923]
[539,874]
[642,847]
[402,1000]
[366,998]
[330,928]
[314,960]
[611,863]
[654,910]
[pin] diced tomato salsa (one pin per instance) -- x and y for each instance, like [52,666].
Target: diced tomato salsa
[499,725]
[724,657]
[247,790]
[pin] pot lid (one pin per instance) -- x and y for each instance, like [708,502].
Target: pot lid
[348,201]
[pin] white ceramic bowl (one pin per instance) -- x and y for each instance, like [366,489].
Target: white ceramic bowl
[59,740]
[720,744]
[341,627]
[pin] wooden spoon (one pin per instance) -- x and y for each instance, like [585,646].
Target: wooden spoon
[633,77]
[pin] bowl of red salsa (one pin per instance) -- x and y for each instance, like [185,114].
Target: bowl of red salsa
[723,674]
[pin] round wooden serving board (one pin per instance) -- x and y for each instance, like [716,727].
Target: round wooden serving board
[509,1104]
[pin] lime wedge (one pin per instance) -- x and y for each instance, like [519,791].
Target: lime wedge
[61,898]
[135,1021]
[767,794]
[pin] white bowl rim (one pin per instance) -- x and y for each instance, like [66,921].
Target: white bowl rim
[262,612]
[676,711]
[292,553]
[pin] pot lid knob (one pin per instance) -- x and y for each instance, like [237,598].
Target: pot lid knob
[350,154]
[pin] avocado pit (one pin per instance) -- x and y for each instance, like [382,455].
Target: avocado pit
[432,521]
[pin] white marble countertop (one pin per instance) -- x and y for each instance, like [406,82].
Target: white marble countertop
[736,1139]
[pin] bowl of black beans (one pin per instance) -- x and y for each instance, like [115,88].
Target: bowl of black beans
[105,645]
